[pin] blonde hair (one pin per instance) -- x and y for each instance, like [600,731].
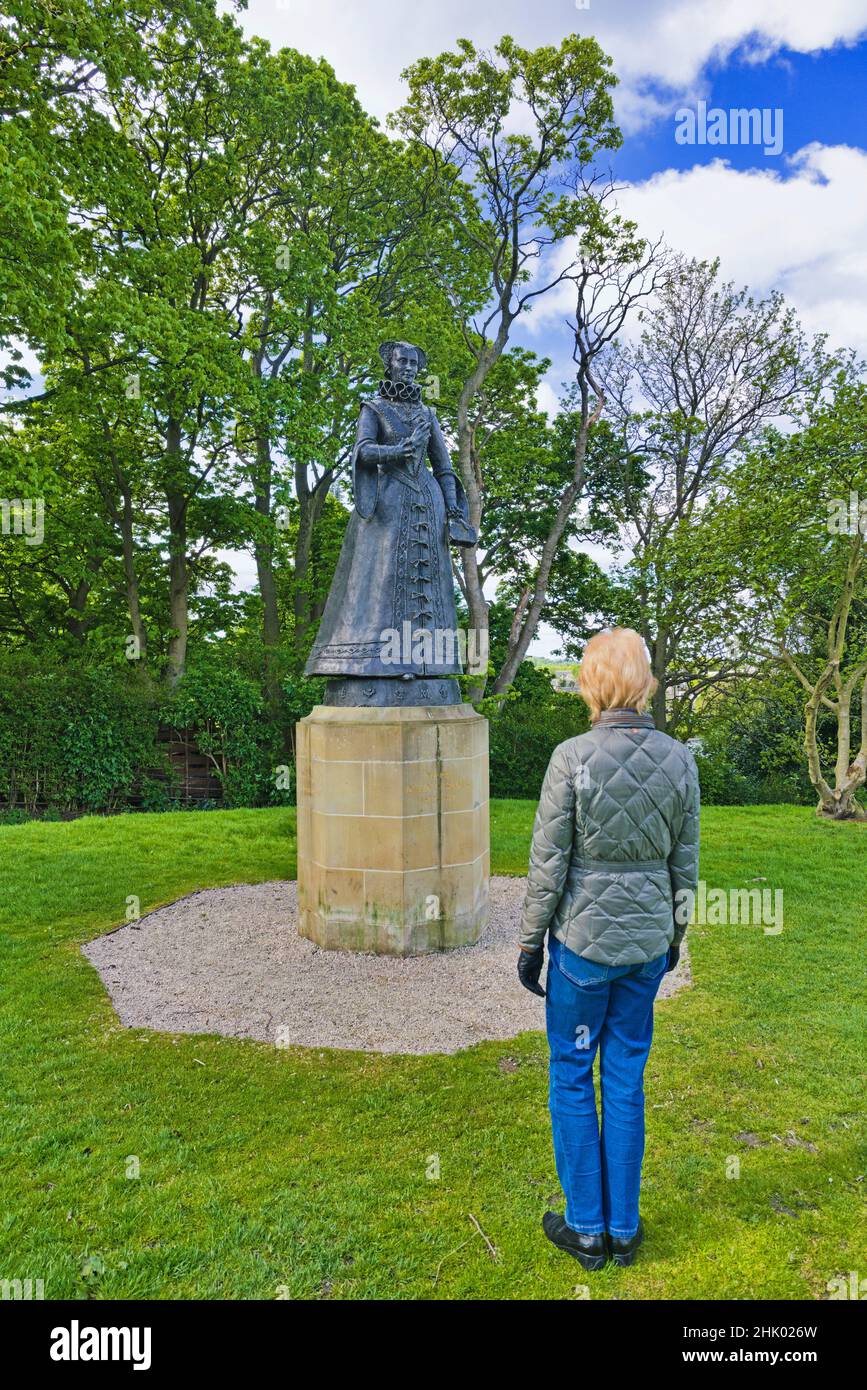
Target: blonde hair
[615,672]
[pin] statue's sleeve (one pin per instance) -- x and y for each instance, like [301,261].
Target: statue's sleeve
[365,474]
[450,483]
[366,458]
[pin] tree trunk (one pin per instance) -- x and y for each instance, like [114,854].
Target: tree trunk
[528,622]
[263,546]
[179,575]
[129,572]
[75,622]
[268,588]
[841,806]
[123,518]
[263,550]
[477,644]
[659,699]
[473,588]
[311,503]
[530,608]
[837,802]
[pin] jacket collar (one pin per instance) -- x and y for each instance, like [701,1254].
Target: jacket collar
[619,716]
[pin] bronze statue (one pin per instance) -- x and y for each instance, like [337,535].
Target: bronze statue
[388,635]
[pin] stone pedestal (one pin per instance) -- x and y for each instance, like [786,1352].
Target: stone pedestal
[393,842]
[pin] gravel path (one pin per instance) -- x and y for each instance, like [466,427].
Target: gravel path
[229,960]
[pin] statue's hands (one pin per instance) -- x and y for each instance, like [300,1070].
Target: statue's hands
[416,441]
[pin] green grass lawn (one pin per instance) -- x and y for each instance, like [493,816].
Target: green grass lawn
[269,1173]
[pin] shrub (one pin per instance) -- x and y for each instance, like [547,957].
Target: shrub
[108,745]
[527,728]
[73,737]
[224,711]
[720,782]
[752,749]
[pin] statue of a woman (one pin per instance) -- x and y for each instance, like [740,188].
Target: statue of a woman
[388,635]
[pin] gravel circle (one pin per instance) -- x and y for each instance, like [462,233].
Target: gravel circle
[230,961]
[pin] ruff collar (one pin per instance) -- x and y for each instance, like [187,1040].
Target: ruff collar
[406,391]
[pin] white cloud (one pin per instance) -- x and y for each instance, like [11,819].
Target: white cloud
[243,565]
[802,231]
[664,42]
[672,42]
[547,644]
[546,400]
[804,234]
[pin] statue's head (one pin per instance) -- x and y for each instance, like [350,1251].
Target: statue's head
[402,361]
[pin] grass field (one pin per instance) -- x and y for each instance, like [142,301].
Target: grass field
[267,1173]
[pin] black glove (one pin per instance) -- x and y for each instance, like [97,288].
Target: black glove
[673,957]
[530,968]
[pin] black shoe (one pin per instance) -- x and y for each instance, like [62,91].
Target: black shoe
[589,1251]
[623,1252]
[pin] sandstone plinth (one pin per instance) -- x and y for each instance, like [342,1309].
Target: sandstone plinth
[393,838]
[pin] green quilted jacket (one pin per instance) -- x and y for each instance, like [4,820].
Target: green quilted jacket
[615,838]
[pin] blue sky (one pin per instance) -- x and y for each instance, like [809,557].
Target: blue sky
[822,97]
[794,222]
[808,58]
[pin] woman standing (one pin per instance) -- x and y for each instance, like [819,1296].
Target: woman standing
[613,867]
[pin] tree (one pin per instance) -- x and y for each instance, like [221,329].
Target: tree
[150,350]
[520,126]
[55,61]
[529,465]
[798,515]
[712,368]
[52,580]
[615,272]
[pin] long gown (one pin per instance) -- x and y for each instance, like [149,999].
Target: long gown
[395,566]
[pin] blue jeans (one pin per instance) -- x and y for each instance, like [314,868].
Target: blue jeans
[609,1008]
